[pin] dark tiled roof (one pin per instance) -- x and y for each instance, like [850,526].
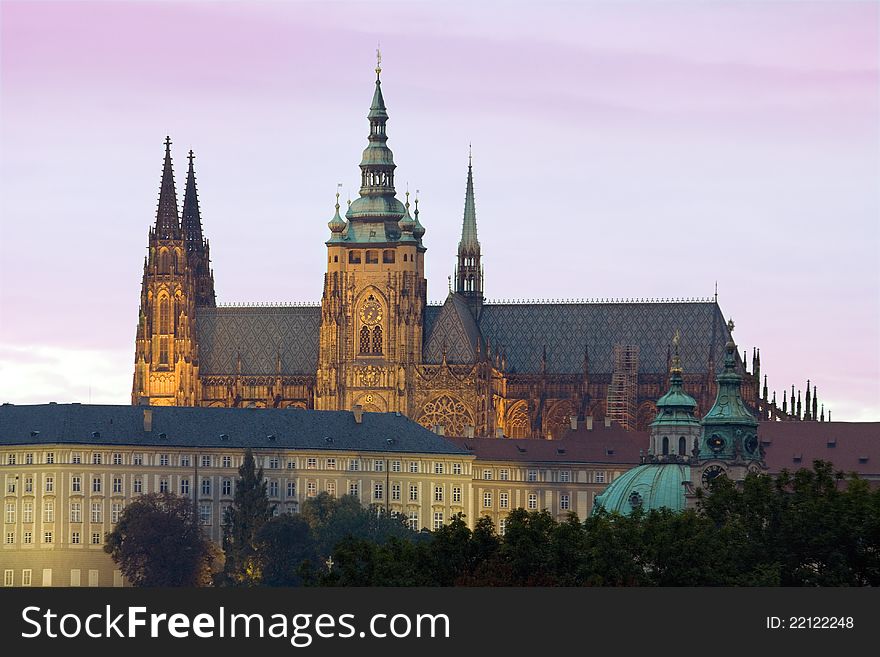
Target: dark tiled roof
[522,331]
[258,334]
[455,331]
[850,446]
[203,427]
[610,445]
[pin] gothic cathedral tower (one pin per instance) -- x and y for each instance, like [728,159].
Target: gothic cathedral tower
[176,278]
[468,270]
[372,309]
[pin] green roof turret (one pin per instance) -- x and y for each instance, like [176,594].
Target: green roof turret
[337,224]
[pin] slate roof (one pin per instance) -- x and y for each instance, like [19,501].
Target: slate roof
[258,334]
[203,427]
[454,330]
[522,330]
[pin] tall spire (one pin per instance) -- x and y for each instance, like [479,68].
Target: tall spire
[468,271]
[167,218]
[192,218]
[469,224]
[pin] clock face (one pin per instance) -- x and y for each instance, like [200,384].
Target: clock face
[710,473]
[751,443]
[715,442]
[371,312]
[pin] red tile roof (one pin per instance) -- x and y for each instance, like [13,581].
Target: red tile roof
[599,445]
[850,446]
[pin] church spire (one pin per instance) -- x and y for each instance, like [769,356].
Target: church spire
[468,272]
[192,218]
[167,218]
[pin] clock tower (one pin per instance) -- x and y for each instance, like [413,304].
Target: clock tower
[372,308]
[729,444]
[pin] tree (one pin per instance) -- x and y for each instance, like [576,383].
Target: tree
[243,521]
[286,550]
[158,542]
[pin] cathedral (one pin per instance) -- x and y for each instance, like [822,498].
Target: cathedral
[467,367]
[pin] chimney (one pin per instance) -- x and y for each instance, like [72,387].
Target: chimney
[358,412]
[499,432]
[573,419]
[607,422]
[439,429]
[469,431]
[148,419]
[589,423]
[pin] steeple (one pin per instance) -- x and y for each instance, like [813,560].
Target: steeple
[373,217]
[167,218]
[468,271]
[729,428]
[675,430]
[192,218]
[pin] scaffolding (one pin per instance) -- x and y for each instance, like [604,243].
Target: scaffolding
[621,405]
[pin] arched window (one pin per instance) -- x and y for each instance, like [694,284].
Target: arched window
[682,446]
[372,257]
[164,316]
[388,256]
[665,445]
[181,262]
[354,257]
[163,262]
[365,340]
[377,340]
[163,351]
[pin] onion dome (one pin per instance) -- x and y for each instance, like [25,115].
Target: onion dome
[676,407]
[418,229]
[406,224]
[336,224]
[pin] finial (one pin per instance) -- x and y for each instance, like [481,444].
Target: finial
[407,198]
[190,157]
[676,359]
[470,155]
[167,143]
[730,325]
[716,291]
[449,282]
[417,203]
[378,59]
[338,190]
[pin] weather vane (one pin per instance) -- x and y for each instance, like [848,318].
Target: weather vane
[378,59]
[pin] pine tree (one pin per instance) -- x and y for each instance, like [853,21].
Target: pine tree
[242,522]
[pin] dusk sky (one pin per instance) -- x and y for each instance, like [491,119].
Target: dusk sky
[620,149]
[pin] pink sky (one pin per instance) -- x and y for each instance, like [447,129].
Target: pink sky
[620,150]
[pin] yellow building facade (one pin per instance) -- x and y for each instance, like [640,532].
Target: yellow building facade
[68,471]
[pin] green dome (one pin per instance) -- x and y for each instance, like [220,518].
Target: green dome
[650,486]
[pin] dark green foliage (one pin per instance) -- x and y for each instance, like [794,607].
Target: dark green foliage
[242,523]
[158,542]
[286,551]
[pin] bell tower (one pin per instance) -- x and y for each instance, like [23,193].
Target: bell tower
[373,304]
[166,367]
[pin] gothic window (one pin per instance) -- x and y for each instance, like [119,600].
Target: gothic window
[372,257]
[164,266]
[388,256]
[448,411]
[181,261]
[163,350]
[164,316]
[365,340]
[518,423]
[682,445]
[377,340]
[354,257]
[557,420]
[665,445]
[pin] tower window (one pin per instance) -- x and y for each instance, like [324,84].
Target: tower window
[365,340]
[665,445]
[372,257]
[163,350]
[164,316]
[404,257]
[377,340]
[336,258]
[682,445]
[163,262]
[388,256]
[354,257]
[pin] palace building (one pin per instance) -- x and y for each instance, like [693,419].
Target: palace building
[68,471]
[471,366]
